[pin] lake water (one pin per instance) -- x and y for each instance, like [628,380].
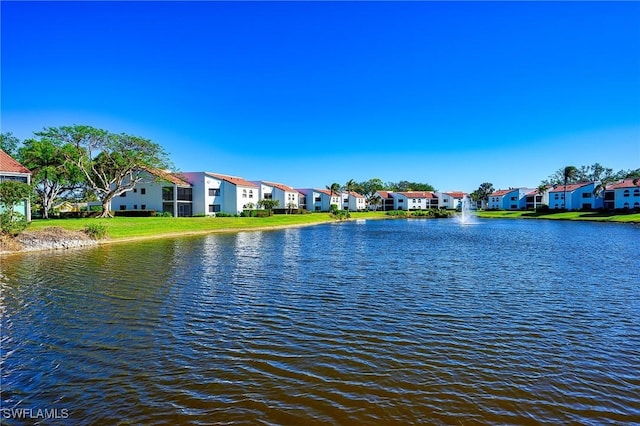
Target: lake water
[376,322]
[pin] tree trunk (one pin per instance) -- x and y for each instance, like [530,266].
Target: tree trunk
[106,213]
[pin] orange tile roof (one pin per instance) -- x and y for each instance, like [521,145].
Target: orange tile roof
[570,187]
[168,176]
[327,192]
[418,194]
[353,194]
[625,183]
[501,192]
[280,186]
[8,164]
[233,180]
[456,194]
[385,194]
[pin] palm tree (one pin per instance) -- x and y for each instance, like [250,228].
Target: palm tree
[349,187]
[568,174]
[334,188]
[541,190]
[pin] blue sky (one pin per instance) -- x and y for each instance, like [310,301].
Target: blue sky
[310,93]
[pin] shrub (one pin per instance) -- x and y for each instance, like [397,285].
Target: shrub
[96,231]
[224,214]
[542,208]
[12,227]
[135,213]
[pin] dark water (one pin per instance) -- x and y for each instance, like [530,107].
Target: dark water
[382,322]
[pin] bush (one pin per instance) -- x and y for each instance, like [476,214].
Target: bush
[12,227]
[77,215]
[224,214]
[136,213]
[543,208]
[96,231]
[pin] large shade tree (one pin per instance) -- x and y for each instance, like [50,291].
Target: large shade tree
[111,163]
[52,175]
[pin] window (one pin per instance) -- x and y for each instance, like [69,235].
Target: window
[514,198]
[214,208]
[251,193]
[555,196]
[244,193]
[143,207]
[185,194]
[636,193]
[214,192]
[586,195]
[143,191]
[123,207]
[135,190]
[625,193]
[318,199]
[135,207]
[124,194]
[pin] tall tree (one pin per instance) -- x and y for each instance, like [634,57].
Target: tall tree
[349,187]
[111,163]
[9,143]
[51,174]
[369,188]
[334,189]
[568,175]
[484,190]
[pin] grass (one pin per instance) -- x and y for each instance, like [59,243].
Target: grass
[586,215]
[144,227]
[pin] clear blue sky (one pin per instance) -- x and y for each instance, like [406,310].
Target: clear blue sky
[310,93]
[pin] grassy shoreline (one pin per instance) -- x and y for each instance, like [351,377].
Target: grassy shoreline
[128,228]
[125,229]
[595,216]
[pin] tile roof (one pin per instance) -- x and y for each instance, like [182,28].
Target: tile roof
[418,194]
[502,192]
[280,186]
[353,194]
[238,181]
[385,194]
[570,187]
[456,194]
[8,164]
[175,178]
[626,183]
[327,192]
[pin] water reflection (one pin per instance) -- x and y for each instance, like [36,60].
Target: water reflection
[384,322]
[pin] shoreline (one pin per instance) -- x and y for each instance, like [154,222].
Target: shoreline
[46,240]
[68,242]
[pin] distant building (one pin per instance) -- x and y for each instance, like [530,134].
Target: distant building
[287,197]
[580,196]
[415,200]
[623,195]
[508,199]
[159,190]
[215,193]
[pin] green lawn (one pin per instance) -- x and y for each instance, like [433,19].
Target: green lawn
[593,216]
[137,227]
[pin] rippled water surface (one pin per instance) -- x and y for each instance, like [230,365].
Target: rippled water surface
[381,322]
